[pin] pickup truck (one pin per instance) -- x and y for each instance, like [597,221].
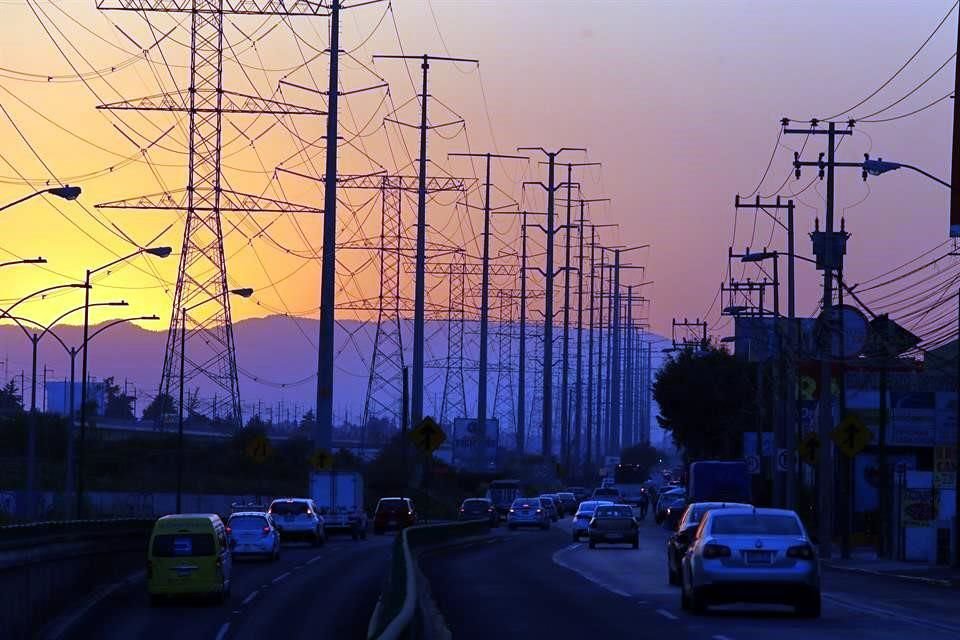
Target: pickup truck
[339,497]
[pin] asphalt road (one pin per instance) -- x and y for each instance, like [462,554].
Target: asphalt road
[534,583]
[327,592]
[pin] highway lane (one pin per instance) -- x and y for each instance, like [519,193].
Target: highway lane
[325,592]
[531,582]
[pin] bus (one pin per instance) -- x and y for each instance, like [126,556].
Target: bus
[502,493]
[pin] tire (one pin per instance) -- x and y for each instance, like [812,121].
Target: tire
[636,542]
[155,600]
[673,577]
[576,537]
[593,545]
[698,604]
[377,531]
[809,606]
[276,554]
[512,527]
[316,542]
[354,535]
[545,526]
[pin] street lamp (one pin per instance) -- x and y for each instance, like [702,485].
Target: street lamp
[159,252]
[66,192]
[24,261]
[244,292]
[879,166]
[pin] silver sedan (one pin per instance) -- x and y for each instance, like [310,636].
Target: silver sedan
[751,555]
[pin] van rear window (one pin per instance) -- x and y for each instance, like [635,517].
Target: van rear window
[183,545]
[288,508]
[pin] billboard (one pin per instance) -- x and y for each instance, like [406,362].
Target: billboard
[475,444]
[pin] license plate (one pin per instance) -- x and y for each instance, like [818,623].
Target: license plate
[184,572]
[759,557]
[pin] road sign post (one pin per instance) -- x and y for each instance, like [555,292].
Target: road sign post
[427,436]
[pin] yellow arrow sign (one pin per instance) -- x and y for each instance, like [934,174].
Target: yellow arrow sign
[428,436]
[851,436]
[259,449]
[321,460]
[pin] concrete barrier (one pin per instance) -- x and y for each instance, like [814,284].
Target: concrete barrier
[46,566]
[403,612]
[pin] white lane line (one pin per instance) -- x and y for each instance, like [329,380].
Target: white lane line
[237,612]
[623,594]
[721,638]
[887,613]
[666,614]
[223,631]
[249,598]
[282,576]
[572,547]
[314,559]
[298,567]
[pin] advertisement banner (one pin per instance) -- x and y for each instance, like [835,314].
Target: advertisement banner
[912,418]
[475,444]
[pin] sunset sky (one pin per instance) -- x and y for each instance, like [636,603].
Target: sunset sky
[680,101]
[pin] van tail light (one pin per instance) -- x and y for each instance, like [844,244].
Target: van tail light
[712,551]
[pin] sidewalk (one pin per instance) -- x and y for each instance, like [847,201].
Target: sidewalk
[921,572]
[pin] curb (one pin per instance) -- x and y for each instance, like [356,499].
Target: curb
[936,582]
[61,625]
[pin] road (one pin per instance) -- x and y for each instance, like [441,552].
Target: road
[315,593]
[535,583]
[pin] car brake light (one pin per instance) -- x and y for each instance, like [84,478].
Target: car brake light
[229,530]
[711,551]
[266,530]
[803,552]
[462,510]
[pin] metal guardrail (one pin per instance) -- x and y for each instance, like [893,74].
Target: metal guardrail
[34,534]
[395,616]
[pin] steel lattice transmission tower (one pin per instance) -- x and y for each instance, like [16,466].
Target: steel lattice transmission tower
[503,399]
[202,274]
[454,386]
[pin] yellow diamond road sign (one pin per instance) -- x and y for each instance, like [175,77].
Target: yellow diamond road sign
[321,460]
[851,436]
[428,436]
[259,449]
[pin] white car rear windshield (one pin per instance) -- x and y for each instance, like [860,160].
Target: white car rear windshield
[242,523]
[529,503]
[773,525]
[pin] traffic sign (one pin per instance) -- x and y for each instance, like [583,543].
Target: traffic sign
[258,449]
[785,459]
[841,332]
[428,436]
[809,448]
[753,464]
[321,460]
[851,436]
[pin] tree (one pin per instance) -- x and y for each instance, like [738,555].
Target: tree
[162,404]
[9,398]
[118,405]
[707,400]
[307,421]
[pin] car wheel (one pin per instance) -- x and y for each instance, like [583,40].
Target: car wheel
[355,535]
[684,600]
[698,604]
[512,527]
[593,545]
[673,577]
[378,531]
[576,537]
[545,526]
[809,606]
[316,539]
[156,600]
[636,542]
[276,553]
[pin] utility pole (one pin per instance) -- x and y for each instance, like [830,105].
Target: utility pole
[419,295]
[546,445]
[828,262]
[629,384]
[485,283]
[578,424]
[323,425]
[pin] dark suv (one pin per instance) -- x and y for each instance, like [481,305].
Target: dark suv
[394,513]
[479,509]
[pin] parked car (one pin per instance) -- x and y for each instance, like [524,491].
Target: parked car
[568,501]
[581,520]
[751,555]
[251,533]
[298,518]
[614,524]
[394,513]
[528,512]
[189,555]
[678,543]
[479,509]
[550,506]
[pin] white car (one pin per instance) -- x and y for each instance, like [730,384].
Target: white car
[298,518]
[581,521]
[252,533]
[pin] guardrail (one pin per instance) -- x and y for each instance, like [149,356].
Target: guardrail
[396,615]
[44,565]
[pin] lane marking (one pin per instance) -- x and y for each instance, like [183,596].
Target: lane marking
[237,612]
[666,614]
[299,566]
[887,613]
[314,559]
[282,576]
[249,598]
[721,638]
[223,631]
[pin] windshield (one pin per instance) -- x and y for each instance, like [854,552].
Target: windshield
[240,523]
[183,545]
[392,504]
[476,504]
[526,503]
[613,512]
[774,525]
[288,508]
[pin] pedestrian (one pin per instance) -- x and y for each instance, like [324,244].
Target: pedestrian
[644,504]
